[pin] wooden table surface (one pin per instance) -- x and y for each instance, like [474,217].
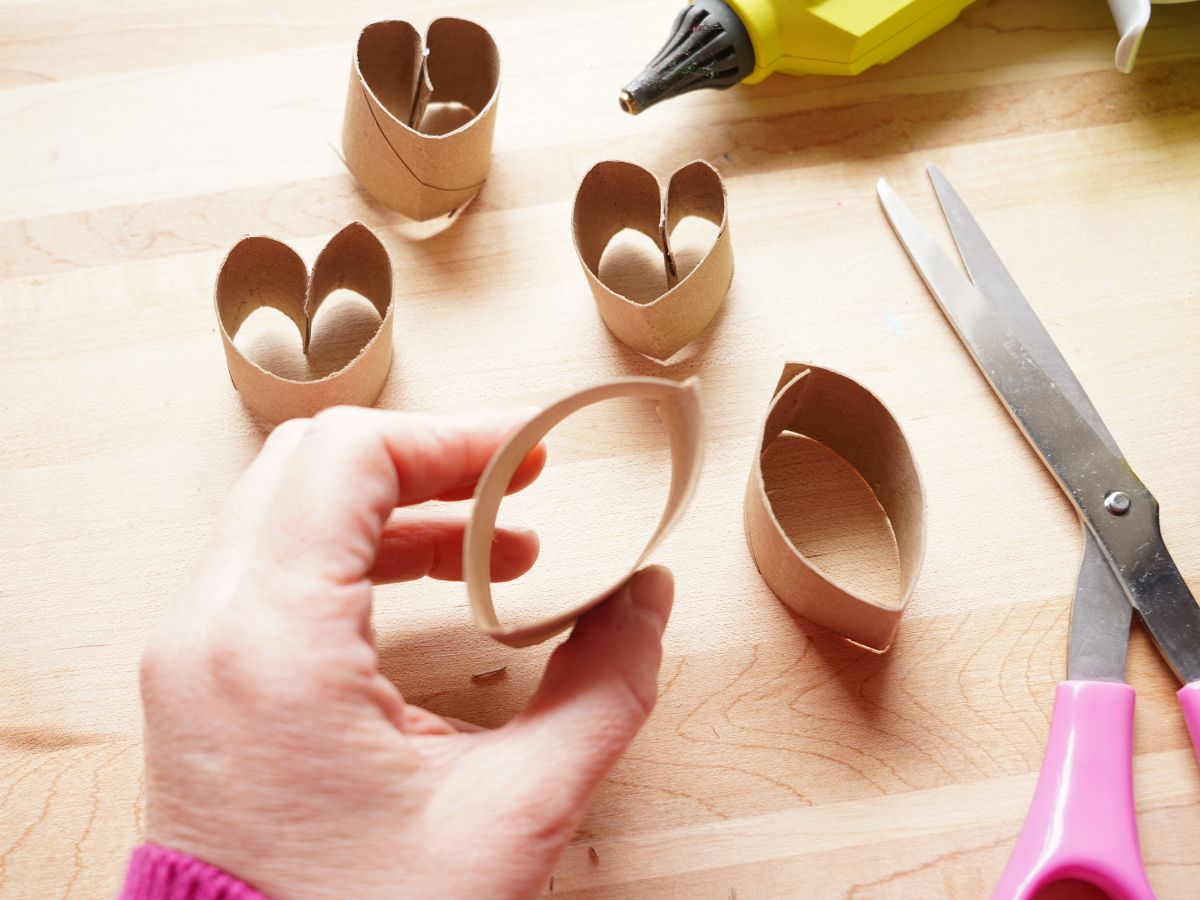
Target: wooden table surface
[140,140]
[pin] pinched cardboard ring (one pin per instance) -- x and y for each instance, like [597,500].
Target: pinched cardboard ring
[848,419]
[392,82]
[680,410]
[261,271]
[616,195]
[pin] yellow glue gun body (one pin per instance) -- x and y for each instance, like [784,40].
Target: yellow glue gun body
[836,37]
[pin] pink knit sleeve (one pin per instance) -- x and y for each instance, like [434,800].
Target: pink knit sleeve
[156,873]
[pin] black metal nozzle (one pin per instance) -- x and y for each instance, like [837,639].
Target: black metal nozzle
[708,48]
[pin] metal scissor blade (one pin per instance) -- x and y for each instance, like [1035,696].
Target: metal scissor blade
[1100,618]
[1064,436]
[992,278]
[953,293]
[1100,613]
[1088,468]
[1099,633]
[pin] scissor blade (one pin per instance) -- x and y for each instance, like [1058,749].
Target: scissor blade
[1061,434]
[953,293]
[1100,617]
[1080,457]
[1100,613]
[993,280]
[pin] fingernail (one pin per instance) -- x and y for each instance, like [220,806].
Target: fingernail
[514,551]
[527,533]
[653,591]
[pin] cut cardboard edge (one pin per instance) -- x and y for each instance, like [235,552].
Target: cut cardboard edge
[359,262]
[869,438]
[609,199]
[417,174]
[682,417]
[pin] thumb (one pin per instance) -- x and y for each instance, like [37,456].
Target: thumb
[598,689]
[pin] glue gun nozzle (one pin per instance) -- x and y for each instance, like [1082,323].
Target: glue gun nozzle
[708,48]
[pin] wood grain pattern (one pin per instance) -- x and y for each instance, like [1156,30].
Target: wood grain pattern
[141,140]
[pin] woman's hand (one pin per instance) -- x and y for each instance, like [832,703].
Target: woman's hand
[276,750]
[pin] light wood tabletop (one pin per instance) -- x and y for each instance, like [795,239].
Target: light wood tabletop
[140,140]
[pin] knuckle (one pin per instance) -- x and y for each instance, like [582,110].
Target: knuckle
[287,433]
[547,822]
[182,660]
[354,451]
[424,448]
[225,660]
[345,433]
[642,694]
[337,419]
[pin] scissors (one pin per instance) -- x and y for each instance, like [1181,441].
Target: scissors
[1081,824]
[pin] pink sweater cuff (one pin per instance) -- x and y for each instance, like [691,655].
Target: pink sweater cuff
[156,873]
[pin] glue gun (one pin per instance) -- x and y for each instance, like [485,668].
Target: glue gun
[720,43]
[715,44]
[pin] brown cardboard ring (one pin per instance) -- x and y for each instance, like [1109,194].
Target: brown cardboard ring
[615,195]
[680,410]
[261,271]
[838,412]
[394,76]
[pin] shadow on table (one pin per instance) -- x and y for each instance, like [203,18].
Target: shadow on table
[456,671]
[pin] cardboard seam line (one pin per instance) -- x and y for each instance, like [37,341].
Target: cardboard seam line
[679,408]
[396,153]
[262,272]
[615,195]
[392,82]
[845,417]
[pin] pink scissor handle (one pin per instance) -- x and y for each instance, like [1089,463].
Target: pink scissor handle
[1081,824]
[1189,699]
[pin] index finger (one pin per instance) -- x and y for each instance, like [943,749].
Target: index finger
[353,466]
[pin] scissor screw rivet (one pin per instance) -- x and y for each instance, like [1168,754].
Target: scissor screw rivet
[1117,503]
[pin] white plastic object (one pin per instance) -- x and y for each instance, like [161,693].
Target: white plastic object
[1132,17]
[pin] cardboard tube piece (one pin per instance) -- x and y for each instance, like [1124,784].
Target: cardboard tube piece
[678,407]
[261,271]
[392,82]
[848,419]
[616,195]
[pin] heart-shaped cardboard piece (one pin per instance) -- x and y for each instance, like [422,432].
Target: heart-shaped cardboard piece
[393,80]
[840,413]
[261,271]
[616,195]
